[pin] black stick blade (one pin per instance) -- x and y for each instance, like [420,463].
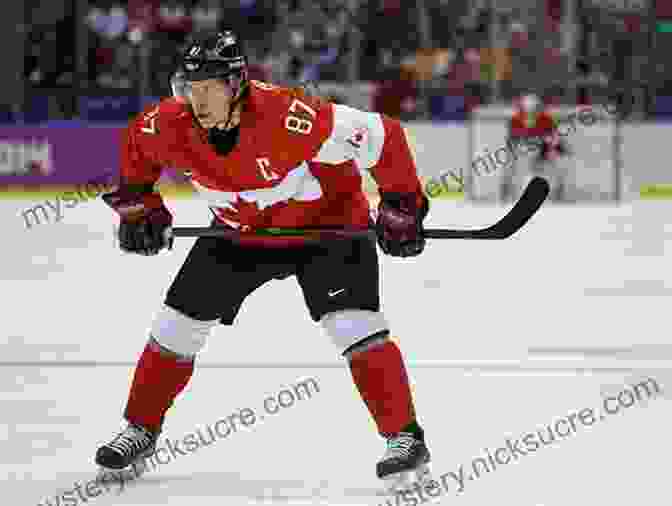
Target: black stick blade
[529,203]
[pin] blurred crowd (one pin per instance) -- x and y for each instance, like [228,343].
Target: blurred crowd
[422,57]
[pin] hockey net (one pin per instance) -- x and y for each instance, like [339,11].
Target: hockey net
[593,170]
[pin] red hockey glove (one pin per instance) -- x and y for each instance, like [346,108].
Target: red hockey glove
[399,224]
[144,226]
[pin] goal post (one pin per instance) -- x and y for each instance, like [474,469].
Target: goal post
[593,171]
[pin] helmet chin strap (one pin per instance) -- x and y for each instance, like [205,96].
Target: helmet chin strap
[223,125]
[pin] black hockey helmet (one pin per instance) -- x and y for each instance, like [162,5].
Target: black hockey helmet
[211,55]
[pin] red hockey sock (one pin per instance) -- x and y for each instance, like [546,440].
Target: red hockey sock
[159,378]
[380,376]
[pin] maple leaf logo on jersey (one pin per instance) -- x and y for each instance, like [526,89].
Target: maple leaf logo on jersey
[356,139]
[299,184]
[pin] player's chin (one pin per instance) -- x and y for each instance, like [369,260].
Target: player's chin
[206,123]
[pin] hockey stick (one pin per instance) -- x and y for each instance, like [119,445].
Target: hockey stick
[528,204]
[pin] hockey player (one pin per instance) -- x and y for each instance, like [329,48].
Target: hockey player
[533,130]
[266,156]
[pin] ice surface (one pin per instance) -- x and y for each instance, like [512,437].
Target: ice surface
[503,337]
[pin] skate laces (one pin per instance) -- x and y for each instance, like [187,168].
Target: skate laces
[400,446]
[131,440]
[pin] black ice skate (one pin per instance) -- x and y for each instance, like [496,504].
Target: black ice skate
[128,449]
[405,463]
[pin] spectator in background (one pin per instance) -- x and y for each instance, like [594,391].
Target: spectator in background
[518,33]
[276,56]
[476,90]
[173,24]
[391,32]
[589,82]
[307,39]
[323,51]
[455,73]
[254,20]
[475,27]
[49,59]
[554,14]
[117,21]
[48,62]
[207,15]
[397,93]
[174,21]
[42,58]
[443,17]
[622,49]
[142,18]
[113,54]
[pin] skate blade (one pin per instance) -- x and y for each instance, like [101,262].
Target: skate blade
[407,480]
[126,474]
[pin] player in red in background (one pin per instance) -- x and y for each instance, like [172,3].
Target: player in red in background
[266,156]
[534,127]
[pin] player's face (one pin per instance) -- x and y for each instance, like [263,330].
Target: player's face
[530,103]
[211,100]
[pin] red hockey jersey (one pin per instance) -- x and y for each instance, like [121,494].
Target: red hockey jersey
[542,127]
[296,163]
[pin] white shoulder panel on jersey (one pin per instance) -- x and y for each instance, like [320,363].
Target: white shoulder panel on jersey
[357,135]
